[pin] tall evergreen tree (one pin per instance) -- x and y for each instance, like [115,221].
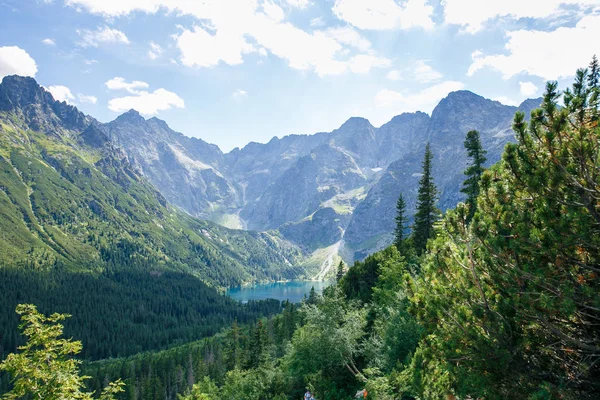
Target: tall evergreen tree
[258,349]
[471,185]
[313,297]
[401,221]
[427,213]
[233,352]
[340,271]
[594,73]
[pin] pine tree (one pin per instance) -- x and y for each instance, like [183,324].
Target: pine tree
[340,271]
[427,213]
[401,221]
[233,352]
[471,185]
[594,73]
[258,349]
[312,296]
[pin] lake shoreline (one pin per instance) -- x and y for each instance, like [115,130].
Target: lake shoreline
[290,290]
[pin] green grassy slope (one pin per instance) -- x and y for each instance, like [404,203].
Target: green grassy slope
[62,200]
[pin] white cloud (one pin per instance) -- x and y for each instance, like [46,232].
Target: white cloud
[202,49]
[87,99]
[16,61]
[273,11]
[90,62]
[147,103]
[472,14]
[119,83]
[299,3]
[394,75]
[102,35]
[318,51]
[239,95]
[528,88]
[49,42]
[61,93]
[385,14]
[321,51]
[155,51]
[223,36]
[115,8]
[423,100]
[550,55]
[349,36]
[424,73]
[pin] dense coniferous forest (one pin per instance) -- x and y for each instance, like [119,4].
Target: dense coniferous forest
[124,313]
[502,302]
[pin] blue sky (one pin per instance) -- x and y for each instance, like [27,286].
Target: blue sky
[235,71]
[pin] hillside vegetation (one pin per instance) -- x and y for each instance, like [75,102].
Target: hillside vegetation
[496,299]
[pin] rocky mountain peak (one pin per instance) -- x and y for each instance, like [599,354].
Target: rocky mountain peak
[354,123]
[158,122]
[459,99]
[131,116]
[25,96]
[21,91]
[407,117]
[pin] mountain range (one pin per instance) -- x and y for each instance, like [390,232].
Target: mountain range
[310,198]
[331,190]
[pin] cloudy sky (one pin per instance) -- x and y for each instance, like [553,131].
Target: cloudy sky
[234,71]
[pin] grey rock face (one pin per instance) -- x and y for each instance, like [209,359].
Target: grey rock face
[321,229]
[257,166]
[312,171]
[309,182]
[38,108]
[183,169]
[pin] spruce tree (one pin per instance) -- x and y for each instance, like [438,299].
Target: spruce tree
[401,221]
[313,298]
[427,213]
[471,185]
[594,73]
[258,348]
[340,271]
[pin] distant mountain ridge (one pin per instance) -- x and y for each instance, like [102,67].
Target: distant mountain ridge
[320,189]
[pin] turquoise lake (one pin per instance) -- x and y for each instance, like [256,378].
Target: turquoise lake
[293,291]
